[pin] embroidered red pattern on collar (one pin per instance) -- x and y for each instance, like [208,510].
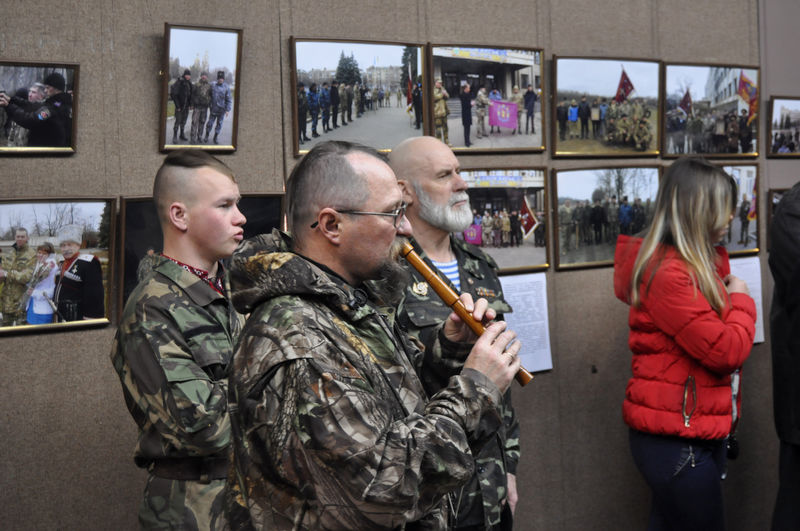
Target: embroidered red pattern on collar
[202,274]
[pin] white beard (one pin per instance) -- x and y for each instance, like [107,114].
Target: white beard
[445,217]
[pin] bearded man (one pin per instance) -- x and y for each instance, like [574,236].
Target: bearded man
[438,206]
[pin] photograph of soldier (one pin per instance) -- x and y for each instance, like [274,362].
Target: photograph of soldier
[38,275]
[711,110]
[506,86]
[142,237]
[508,206]
[605,107]
[742,236]
[593,206]
[36,107]
[364,77]
[784,127]
[201,82]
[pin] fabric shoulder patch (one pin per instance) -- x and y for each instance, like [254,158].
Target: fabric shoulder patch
[86,257]
[43,113]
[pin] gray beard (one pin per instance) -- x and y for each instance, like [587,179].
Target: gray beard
[445,217]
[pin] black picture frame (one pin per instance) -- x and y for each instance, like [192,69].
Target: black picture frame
[201,49]
[41,118]
[93,220]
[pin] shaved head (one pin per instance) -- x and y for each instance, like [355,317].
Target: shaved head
[414,156]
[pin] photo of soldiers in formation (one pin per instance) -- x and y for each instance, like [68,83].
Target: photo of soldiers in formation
[487,98]
[711,110]
[358,92]
[508,216]
[36,107]
[785,126]
[201,89]
[595,206]
[54,262]
[606,107]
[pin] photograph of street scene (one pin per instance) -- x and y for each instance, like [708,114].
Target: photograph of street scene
[605,107]
[358,92]
[594,206]
[200,98]
[487,98]
[37,112]
[711,110]
[742,237]
[784,130]
[55,262]
[509,221]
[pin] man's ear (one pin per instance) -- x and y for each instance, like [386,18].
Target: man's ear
[329,223]
[409,196]
[178,216]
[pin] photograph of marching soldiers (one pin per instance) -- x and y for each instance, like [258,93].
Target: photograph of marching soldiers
[54,262]
[595,206]
[605,107]
[200,100]
[784,131]
[711,110]
[143,239]
[742,234]
[509,221]
[358,92]
[36,107]
[487,98]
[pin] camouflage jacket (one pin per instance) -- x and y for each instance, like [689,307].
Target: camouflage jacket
[201,95]
[19,268]
[171,352]
[331,426]
[421,312]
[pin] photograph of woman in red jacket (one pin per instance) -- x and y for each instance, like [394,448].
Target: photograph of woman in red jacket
[692,325]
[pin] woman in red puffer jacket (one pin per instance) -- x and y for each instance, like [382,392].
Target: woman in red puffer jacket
[691,328]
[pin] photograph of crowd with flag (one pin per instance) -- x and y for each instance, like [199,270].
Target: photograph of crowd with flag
[605,107]
[712,110]
[784,127]
[509,216]
[742,237]
[488,98]
[594,206]
[371,93]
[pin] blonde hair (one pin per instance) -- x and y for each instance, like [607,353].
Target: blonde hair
[695,200]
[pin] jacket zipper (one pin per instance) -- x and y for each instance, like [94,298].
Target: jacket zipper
[688,416]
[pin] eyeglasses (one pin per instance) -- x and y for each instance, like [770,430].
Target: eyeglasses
[397,214]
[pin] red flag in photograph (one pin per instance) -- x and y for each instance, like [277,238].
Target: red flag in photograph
[503,114]
[748,91]
[527,218]
[686,103]
[624,88]
[473,235]
[751,214]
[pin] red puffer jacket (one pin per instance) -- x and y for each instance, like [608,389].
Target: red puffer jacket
[683,351]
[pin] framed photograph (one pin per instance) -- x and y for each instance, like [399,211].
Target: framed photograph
[593,206]
[142,238]
[774,197]
[783,139]
[487,99]
[200,88]
[606,107]
[358,91]
[38,107]
[742,235]
[509,208]
[56,263]
[710,109]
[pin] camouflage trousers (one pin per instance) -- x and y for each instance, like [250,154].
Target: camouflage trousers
[14,318]
[199,116]
[442,132]
[174,504]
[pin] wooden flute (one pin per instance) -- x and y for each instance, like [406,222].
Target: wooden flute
[450,298]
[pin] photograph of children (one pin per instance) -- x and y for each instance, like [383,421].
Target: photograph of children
[742,237]
[487,98]
[711,110]
[784,127]
[369,93]
[509,220]
[55,262]
[199,100]
[594,206]
[605,107]
[38,104]
[142,240]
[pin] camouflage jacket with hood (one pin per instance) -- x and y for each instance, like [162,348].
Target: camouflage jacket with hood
[331,426]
